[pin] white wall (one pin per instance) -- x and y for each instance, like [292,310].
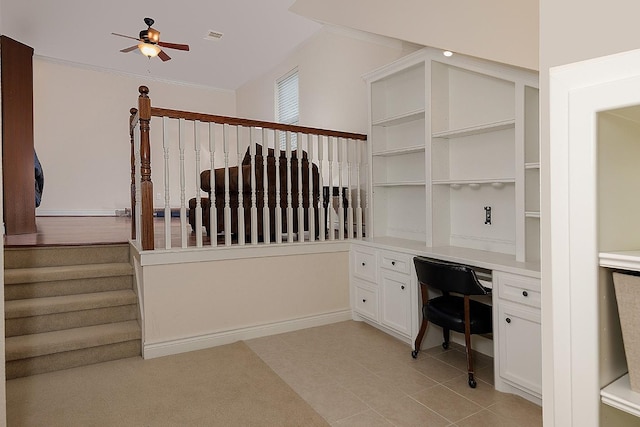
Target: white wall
[333,94]
[81,132]
[195,305]
[501,30]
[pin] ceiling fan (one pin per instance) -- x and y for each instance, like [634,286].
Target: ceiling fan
[149,42]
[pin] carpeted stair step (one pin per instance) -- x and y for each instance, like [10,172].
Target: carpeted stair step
[52,351]
[48,256]
[36,315]
[65,272]
[117,282]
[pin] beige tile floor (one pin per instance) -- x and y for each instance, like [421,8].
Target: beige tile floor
[355,375]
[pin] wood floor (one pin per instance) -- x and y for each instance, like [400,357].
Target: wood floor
[95,230]
[74,231]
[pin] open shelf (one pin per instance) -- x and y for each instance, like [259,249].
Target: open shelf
[400,118]
[474,181]
[626,260]
[619,395]
[399,151]
[399,184]
[476,130]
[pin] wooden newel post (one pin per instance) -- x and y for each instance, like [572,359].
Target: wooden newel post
[133,113]
[146,185]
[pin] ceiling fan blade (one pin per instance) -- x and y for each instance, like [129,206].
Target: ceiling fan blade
[126,37]
[164,56]
[174,45]
[129,49]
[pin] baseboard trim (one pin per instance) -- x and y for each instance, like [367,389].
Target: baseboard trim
[183,345]
[41,212]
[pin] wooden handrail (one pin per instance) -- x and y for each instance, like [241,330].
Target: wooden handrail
[178,114]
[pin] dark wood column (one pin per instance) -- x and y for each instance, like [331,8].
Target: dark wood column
[17,137]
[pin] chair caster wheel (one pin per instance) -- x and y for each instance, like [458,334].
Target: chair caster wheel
[472,382]
[414,354]
[445,345]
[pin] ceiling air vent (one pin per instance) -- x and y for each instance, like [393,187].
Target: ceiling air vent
[213,35]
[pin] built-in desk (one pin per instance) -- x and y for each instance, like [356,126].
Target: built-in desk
[385,293]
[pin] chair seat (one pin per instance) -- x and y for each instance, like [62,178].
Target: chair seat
[448,312]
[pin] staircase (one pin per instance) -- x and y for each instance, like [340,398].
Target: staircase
[68,306]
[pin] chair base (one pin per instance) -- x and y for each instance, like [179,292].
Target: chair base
[472,381]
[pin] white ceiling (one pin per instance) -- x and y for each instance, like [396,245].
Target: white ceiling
[258,34]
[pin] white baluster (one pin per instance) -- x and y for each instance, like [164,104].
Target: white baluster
[289,189]
[213,213]
[198,212]
[340,148]
[227,196]
[241,234]
[300,190]
[358,197]
[183,209]
[330,206]
[266,227]
[349,144]
[322,222]
[167,202]
[278,210]
[311,205]
[254,207]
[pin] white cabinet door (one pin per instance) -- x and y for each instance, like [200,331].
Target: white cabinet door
[520,346]
[396,301]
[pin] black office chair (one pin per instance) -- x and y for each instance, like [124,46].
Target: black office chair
[452,312]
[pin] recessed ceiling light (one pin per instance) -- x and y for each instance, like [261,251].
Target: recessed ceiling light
[213,35]
[447,53]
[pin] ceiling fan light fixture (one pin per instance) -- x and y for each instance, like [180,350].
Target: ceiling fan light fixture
[149,50]
[153,35]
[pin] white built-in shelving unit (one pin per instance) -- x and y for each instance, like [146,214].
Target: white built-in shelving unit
[449,138]
[398,151]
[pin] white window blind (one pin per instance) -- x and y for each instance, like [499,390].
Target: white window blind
[287,105]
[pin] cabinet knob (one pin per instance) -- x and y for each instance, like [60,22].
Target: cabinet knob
[364,263]
[393,263]
[525,293]
[364,300]
[402,287]
[508,320]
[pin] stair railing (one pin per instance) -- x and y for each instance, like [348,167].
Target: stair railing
[231,145]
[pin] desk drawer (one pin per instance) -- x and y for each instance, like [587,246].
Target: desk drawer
[394,261]
[520,289]
[364,263]
[366,301]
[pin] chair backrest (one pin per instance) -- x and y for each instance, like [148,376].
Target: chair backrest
[448,276]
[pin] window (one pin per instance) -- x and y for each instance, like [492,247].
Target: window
[287,105]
